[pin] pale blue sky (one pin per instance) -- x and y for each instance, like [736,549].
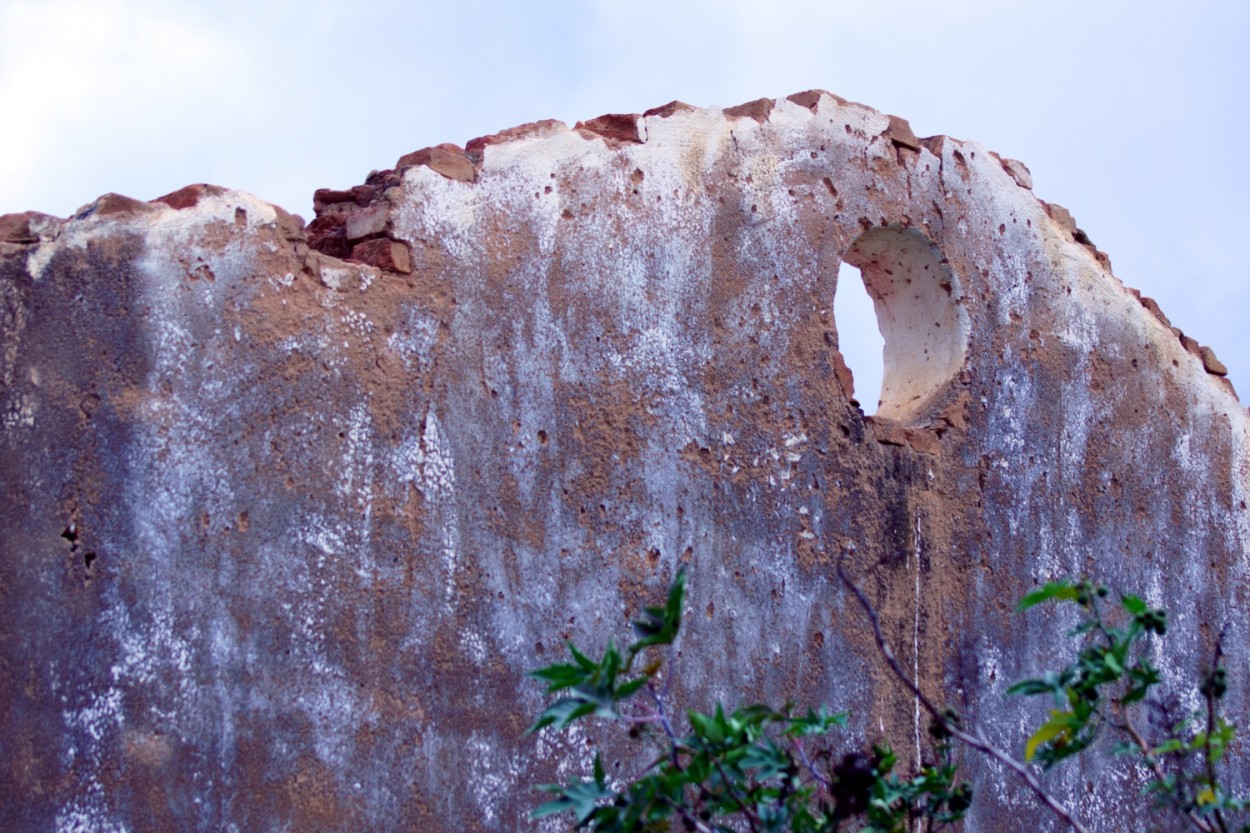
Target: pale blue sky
[1133,115]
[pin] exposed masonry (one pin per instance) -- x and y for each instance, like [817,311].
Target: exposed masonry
[289,512]
[354,224]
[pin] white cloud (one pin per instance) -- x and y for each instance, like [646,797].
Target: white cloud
[76,75]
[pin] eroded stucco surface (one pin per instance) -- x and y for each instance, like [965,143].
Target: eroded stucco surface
[289,512]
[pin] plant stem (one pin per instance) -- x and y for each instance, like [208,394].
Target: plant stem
[751,818]
[686,816]
[977,741]
[1198,822]
[1210,697]
[807,762]
[662,713]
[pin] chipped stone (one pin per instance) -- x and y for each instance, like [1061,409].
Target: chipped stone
[1153,306]
[323,197]
[1190,344]
[110,204]
[364,195]
[1061,217]
[956,413]
[1211,363]
[759,109]
[25,227]
[388,255]
[887,431]
[291,226]
[924,441]
[618,128]
[532,130]
[901,134]
[446,159]
[1018,171]
[672,108]
[811,98]
[368,222]
[189,196]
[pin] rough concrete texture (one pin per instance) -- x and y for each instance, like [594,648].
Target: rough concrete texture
[283,532]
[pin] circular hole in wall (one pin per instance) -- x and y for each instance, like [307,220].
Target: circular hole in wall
[859,337]
[923,325]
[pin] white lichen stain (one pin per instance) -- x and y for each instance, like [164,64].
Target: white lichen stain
[494,772]
[425,461]
[355,481]
[96,724]
[474,646]
[20,411]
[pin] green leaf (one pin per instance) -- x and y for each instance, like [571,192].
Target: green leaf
[630,687]
[599,776]
[584,661]
[581,798]
[659,625]
[562,712]
[1169,746]
[1058,725]
[559,676]
[1133,604]
[815,723]
[768,759]
[1061,590]
[1031,687]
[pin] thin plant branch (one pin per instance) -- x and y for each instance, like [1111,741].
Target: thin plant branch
[807,762]
[1212,782]
[976,741]
[1199,823]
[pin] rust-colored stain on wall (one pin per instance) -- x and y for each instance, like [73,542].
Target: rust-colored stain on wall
[289,511]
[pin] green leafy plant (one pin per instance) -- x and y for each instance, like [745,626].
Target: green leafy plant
[756,768]
[1107,684]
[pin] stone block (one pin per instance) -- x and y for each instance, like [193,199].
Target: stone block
[389,255]
[759,109]
[448,160]
[368,222]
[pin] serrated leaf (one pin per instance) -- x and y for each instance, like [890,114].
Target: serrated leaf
[582,798]
[630,687]
[584,661]
[559,676]
[659,625]
[815,723]
[550,808]
[706,727]
[561,713]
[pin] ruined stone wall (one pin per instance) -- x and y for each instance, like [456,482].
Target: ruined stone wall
[288,513]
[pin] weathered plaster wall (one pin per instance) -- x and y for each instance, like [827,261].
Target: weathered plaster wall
[282,533]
